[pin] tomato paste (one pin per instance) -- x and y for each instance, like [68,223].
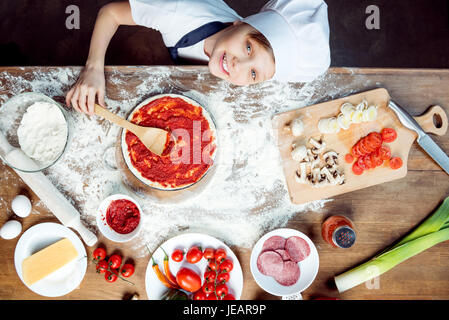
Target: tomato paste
[122,216]
[188,155]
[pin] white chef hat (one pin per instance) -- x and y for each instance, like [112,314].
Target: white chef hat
[298,31]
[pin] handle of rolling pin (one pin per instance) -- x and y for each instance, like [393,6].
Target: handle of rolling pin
[89,237]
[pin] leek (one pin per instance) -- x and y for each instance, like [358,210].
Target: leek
[432,231]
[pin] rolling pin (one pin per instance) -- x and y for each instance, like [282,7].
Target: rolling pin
[46,191]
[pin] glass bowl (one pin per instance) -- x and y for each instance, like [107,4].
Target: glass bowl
[11,114]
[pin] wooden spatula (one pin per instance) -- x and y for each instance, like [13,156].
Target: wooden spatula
[153,138]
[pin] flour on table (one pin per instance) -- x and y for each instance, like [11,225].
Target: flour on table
[42,132]
[247,195]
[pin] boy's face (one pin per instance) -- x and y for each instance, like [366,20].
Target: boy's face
[238,59]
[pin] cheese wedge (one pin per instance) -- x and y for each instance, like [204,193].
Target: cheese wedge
[48,260]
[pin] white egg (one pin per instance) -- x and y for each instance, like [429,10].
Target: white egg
[21,206]
[11,229]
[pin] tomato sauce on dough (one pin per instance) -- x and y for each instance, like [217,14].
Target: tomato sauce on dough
[122,216]
[182,163]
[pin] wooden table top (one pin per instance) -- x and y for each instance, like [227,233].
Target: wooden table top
[382,213]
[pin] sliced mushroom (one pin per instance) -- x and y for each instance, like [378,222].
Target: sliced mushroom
[330,157]
[325,171]
[299,153]
[301,176]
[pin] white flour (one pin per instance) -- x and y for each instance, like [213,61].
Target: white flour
[247,196]
[43,132]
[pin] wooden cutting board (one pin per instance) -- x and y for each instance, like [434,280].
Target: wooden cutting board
[345,139]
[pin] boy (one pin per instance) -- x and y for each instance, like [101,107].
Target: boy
[288,40]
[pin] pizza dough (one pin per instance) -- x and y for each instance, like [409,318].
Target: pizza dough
[43,132]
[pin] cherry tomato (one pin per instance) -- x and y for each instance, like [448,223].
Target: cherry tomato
[368,145]
[226,266]
[208,288]
[99,254]
[212,265]
[199,295]
[177,255]
[102,266]
[220,255]
[356,169]
[221,290]
[212,296]
[188,280]
[210,276]
[385,153]
[111,276]
[389,134]
[115,261]
[364,150]
[209,253]
[223,277]
[377,159]
[375,139]
[367,160]
[127,270]
[229,297]
[361,163]
[349,158]
[395,163]
[194,255]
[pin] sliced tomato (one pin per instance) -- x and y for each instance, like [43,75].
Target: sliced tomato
[370,145]
[367,160]
[385,153]
[389,135]
[395,163]
[355,151]
[356,169]
[362,148]
[349,158]
[375,139]
[376,158]
[361,163]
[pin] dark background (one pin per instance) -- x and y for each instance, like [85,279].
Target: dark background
[413,33]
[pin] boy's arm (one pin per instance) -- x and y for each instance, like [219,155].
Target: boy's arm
[91,82]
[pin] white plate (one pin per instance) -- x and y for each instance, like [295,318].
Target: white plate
[63,280]
[155,289]
[106,230]
[309,266]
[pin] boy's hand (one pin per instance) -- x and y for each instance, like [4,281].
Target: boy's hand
[90,85]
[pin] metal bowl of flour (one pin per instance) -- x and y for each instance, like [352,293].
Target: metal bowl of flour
[25,158]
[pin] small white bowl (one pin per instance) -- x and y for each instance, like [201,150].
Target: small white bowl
[106,230]
[309,266]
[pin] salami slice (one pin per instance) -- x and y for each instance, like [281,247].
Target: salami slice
[297,248]
[273,243]
[284,254]
[289,275]
[270,263]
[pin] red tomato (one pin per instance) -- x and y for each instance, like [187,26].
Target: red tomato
[377,159]
[389,134]
[127,270]
[395,163]
[223,277]
[375,139]
[356,169]
[208,288]
[221,290]
[115,261]
[362,148]
[220,255]
[229,297]
[226,266]
[361,163]
[212,265]
[356,151]
[188,280]
[111,276]
[367,161]
[210,276]
[368,145]
[99,254]
[177,255]
[209,253]
[349,158]
[102,266]
[199,295]
[212,296]
[194,255]
[385,153]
